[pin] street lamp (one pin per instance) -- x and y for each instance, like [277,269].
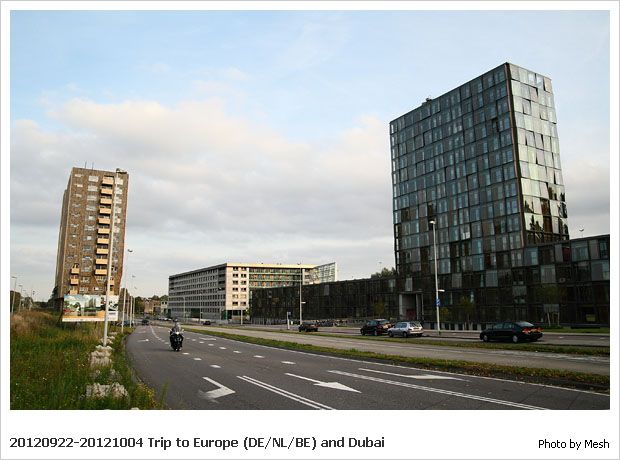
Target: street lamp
[14,293]
[437,302]
[126,262]
[301,282]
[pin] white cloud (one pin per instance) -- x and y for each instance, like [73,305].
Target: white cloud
[208,186]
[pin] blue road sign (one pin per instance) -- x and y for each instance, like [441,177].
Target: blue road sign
[438,302]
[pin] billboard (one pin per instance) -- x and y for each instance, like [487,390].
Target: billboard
[88,308]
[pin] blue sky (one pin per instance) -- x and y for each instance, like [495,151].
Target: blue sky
[263,135]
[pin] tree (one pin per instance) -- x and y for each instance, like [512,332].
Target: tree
[467,308]
[385,273]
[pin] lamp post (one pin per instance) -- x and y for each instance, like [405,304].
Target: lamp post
[301,282]
[21,296]
[14,294]
[437,302]
[126,262]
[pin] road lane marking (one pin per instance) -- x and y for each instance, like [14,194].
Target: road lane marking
[236,351]
[287,362]
[211,345]
[409,376]
[215,366]
[145,340]
[217,393]
[437,390]
[185,353]
[197,359]
[334,385]
[258,356]
[286,394]
[200,342]
[222,348]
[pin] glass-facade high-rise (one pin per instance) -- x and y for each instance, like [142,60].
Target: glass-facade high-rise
[482,161]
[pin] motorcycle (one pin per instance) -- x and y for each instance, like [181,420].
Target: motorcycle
[176,340]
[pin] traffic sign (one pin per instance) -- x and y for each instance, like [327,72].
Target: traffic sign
[438,302]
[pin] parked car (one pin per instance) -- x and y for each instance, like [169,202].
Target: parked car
[376,327]
[308,327]
[206,323]
[516,331]
[145,321]
[406,329]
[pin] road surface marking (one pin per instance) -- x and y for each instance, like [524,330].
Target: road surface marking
[258,356]
[215,366]
[210,344]
[200,342]
[287,362]
[145,340]
[286,394]
[197,359]
[193,340]
[418,377]
[222,348]
[437,390]
[236,351]
[217,393]
[334,385]
[185,353]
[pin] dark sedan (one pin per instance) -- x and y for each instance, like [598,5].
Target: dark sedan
[375,327]
[308,327]
[515,331]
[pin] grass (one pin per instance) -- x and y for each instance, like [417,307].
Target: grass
[50,366]
[535,347]
[570,379]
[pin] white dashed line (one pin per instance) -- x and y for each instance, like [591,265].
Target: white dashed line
[236,351]
[222,348]
[287,362]
[258,356]
[197,359]
[200,342]
[215,366]
[186,353]
[210,344]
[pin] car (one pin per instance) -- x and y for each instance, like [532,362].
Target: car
[145,321]
[515,331]
[206,323]
[308,327]
[406,329]
[375,327]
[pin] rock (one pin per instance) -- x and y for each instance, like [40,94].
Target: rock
[115,390]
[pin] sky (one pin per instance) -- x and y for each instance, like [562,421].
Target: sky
[262,136]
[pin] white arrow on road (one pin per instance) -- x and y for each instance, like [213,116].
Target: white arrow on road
[335,385]
[214,394]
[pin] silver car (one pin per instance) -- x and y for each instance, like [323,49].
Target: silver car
[406,329]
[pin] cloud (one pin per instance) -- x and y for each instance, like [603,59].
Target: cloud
[207,186]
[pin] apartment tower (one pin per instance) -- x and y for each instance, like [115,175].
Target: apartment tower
[479,168]
[90,243]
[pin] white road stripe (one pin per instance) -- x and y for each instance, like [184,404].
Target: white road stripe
[222,348]
[236,351]
[210,344]
[186,353]
[215,366]
[287,362]
[409,376]
[437,390]
[258,356]
[197,359]
[286,394]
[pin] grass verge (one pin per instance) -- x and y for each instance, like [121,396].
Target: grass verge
[581,380]
[535,347]
[50,366]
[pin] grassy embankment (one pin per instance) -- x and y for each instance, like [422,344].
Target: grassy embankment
[569,379]
[50,366]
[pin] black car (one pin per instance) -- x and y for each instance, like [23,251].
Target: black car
[308,327]
[206,323]
[376,327]
[145,321]
[515,331]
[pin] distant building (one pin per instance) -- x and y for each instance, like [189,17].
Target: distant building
[88,250]
[224,291]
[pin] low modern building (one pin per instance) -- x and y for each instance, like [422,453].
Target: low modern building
[224,291]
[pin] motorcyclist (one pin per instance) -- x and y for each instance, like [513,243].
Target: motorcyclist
[176,328]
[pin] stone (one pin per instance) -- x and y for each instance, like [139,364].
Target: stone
[115,390]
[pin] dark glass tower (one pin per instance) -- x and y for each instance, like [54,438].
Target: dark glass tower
[483,162]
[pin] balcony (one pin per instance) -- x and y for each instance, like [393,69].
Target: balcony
[107,211]
[74,281]
[75,271]
[104,200]
[101,261]
[103,240]
[103,231]
[107,180]
[106,190]
[73,291]
[102,251]
[104,220]
[101,271]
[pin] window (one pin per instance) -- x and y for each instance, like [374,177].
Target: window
[93,179]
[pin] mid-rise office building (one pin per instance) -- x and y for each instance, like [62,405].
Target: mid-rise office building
[224,291]
[92,233]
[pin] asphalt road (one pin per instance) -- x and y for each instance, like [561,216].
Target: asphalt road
[216,373]
[549,338]
[409,347]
